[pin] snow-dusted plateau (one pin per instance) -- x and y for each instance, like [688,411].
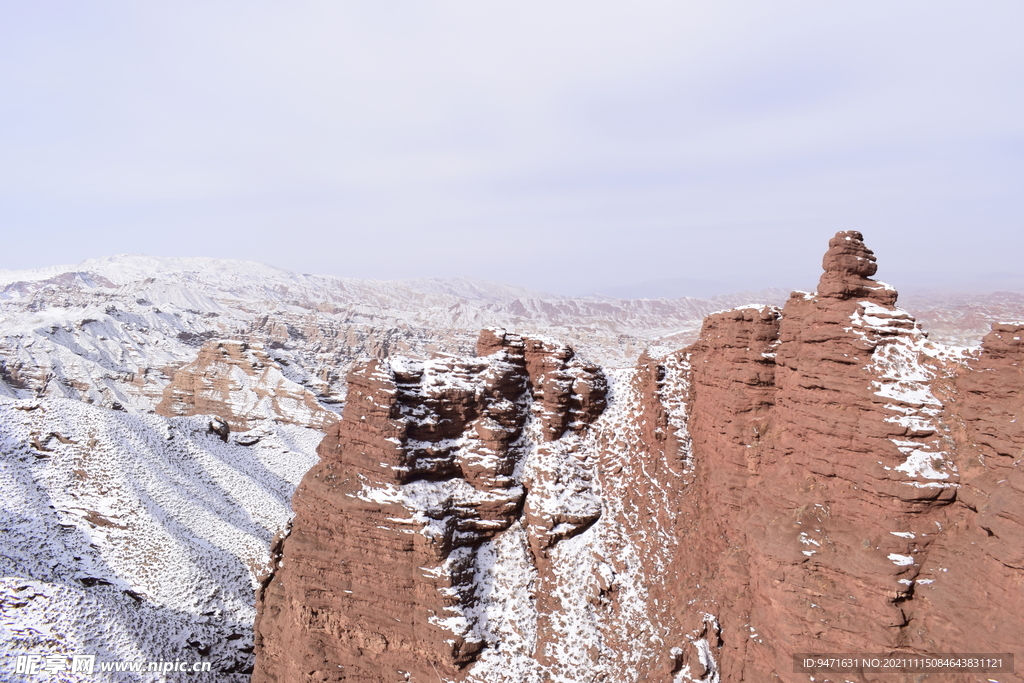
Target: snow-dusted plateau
[594,489]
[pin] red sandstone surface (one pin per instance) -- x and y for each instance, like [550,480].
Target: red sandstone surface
[242,385]
[816,478]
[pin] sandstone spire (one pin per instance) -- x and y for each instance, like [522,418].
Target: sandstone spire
[848,265]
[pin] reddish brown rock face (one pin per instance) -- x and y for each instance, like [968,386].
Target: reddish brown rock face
[819,478]
[242,385]
[379,573]
[848,265]
[836,468]
[977,561]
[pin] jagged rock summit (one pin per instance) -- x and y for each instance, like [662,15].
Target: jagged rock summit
[813,478]
[426,467]
[848,266]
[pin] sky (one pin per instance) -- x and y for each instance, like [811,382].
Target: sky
[566,146]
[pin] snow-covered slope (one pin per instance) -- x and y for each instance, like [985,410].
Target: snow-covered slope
[137,537]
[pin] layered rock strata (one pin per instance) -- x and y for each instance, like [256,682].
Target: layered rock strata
[381,571]
[819,478]
[240,384]
[844,465]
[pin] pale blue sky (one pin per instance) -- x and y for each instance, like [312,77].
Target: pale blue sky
[566,146]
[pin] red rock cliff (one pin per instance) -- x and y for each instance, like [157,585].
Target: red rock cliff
[819,478]
[850,467]
[379,576]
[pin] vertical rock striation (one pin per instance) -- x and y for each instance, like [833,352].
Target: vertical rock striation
[379,573]
[972,600]
[815,478]
[837,455]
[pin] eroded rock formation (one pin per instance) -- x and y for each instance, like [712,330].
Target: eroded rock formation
[815,478]
[381,570]
[240,384]
[841,459]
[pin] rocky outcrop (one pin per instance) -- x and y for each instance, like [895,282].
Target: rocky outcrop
[822,419]
[813,478]
[733,384]
[858,444]
[991,403]
[976,563]
[241,385]
[848,266]
[381,573]
[568,394]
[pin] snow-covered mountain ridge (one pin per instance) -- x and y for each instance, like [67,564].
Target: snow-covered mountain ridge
[137,537]
[244,278]
[113,330]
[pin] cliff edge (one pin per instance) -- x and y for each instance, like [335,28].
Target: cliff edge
[818,477]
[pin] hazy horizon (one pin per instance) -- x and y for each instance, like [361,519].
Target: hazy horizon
[666,288]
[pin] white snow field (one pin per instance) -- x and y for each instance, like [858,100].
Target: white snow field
[134,537]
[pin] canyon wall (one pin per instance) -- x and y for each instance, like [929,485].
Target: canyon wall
[865,477]
[816,478]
